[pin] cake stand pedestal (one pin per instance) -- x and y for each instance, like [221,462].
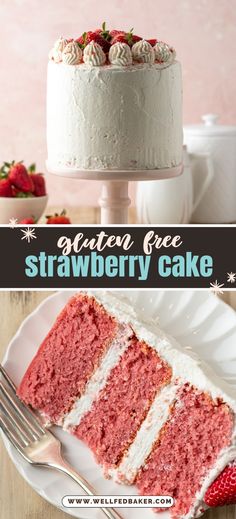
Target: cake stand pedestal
[114,199]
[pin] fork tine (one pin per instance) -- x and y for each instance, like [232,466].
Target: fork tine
[9,413]
[8,379]
[14,408]
[26,414]
[10,436]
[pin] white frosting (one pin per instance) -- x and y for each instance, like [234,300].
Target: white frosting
[120,54]
[146,436]
[163,52]
[94,55]
[143,52]
[99,378]
[56,52]
[72,54]
[114,117]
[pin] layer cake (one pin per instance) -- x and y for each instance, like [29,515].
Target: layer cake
[116,107]
[153,415]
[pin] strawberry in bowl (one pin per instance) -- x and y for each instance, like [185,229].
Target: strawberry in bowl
[22,192]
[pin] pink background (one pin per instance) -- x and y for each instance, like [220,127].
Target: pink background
[202,31]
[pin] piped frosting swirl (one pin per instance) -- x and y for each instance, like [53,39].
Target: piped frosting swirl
[143,52]
[55,53]
[120,54]
[72,54]
[94,55]
[163,52]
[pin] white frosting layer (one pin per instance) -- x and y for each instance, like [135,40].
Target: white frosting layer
[99,379]
[146,436]
[114,118]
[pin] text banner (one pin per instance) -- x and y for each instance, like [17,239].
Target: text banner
[117,257]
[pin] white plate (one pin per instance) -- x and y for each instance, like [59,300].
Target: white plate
[197,318]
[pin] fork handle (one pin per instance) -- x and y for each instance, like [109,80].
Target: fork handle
[88,489]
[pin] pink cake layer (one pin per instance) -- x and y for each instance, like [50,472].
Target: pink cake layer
[68,357]
[188,446]
[115,417]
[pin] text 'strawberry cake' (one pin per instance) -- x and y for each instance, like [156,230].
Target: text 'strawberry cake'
[114,101]
[153,415]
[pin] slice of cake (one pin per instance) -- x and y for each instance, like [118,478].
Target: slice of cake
[114,101]
[153,415]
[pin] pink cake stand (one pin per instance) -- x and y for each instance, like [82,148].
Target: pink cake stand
[114,199]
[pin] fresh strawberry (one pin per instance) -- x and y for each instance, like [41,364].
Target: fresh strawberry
[223,490]
[121,37]
[20,178]
[60,219]
[135,38]
[152,42]
[28,221]
[125,37]
[5,188]
[114,33]
[39,187]
[90,36]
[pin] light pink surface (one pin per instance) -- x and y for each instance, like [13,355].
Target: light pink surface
[202,31]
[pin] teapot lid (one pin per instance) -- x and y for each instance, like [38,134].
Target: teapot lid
[211,127]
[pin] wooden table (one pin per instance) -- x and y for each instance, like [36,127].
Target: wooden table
[17,499]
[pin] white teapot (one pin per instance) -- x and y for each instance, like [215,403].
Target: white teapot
[172,201]
[218,205]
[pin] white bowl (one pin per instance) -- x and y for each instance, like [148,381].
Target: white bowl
[22,208]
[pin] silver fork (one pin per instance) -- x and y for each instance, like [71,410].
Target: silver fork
[33,441]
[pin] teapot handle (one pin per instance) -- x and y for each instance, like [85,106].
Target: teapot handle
[206,175]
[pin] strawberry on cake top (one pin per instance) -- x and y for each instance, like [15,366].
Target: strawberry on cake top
[152,415]
[113,47]
[114,102]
